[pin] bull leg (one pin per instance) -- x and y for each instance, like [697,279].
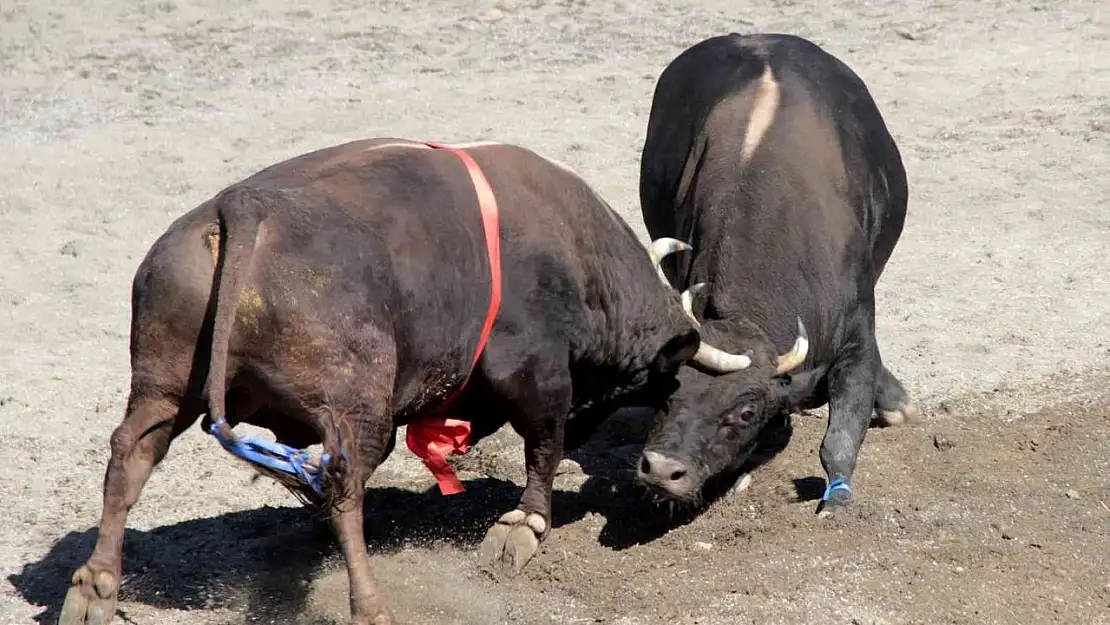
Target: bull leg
[368,606]
[892,402]
[138,444]
[368,435]
[539,399]
[852,382]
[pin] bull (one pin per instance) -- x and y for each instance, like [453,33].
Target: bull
[769,157]
[336,296]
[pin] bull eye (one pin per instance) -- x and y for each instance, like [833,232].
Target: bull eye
[747,414]
[742,417]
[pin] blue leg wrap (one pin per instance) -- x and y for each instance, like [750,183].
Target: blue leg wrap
[273,455]
[839,483]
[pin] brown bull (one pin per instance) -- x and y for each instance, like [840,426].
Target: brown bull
[341,294]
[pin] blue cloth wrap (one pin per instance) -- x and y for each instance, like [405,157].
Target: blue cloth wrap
[839,483]
[273,455]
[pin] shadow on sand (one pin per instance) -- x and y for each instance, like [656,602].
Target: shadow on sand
[261,562]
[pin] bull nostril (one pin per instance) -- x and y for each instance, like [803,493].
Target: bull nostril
[645,466]
[678,475]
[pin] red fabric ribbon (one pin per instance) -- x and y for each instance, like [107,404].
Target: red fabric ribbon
[434,438]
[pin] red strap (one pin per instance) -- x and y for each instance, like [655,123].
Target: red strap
[434,438]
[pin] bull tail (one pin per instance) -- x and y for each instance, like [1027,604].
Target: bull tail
[239,219]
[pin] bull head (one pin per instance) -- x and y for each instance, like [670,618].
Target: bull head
[710,357]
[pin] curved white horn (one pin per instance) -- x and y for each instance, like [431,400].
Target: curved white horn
[797,354]
[688,300]
[664,246]
[660,249]
[719,360]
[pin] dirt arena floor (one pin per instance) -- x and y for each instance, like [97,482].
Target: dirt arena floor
[117,116]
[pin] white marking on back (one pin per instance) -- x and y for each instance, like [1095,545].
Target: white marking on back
[481,144]
[382,146]
[474,144]
[563,166]
[422,146]
[763,113]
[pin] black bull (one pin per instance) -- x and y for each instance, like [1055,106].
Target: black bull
[336,296]
[769,157]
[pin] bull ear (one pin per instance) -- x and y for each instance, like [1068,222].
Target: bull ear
[803,390]
[677,351]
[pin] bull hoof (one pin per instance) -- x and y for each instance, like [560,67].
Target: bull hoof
[838,494]
[907,414]
[91,599]
[743,484]
[512,541]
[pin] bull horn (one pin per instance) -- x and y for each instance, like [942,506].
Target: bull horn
[688,300]
[719,360]
[797,354]
[660,249]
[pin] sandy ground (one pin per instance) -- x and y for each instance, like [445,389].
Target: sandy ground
[117,116]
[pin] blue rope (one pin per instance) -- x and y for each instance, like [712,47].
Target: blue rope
[839,483]
[273,455]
